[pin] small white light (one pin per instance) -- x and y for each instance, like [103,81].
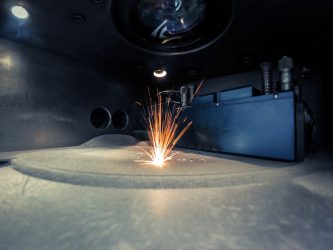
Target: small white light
[160,73]
[19,12]
[6,62]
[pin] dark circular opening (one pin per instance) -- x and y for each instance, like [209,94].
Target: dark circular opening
[172,25]
[100,118]
[120,119]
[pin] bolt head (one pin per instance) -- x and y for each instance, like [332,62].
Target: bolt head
[286,63]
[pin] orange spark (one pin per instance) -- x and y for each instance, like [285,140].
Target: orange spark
[165,126]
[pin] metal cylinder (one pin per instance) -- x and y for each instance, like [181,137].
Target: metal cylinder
[186,95]
[190,93]
[286,73]
[266,69]
[183,96]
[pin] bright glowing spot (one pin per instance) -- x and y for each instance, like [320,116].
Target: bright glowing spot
[160,73]
[165,126]
[6,62]
[19,12]
[158,159]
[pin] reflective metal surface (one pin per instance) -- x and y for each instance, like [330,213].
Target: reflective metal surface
[168,20]
[172,26]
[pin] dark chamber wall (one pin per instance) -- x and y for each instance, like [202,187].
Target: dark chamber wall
[46,100]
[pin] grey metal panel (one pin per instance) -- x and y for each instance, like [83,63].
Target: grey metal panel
[46,99]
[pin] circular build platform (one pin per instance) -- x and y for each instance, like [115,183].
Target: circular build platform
[105,161]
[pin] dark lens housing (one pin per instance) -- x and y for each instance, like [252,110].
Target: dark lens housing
[171,25]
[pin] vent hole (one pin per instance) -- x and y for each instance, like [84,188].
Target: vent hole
[120,119]
[100,118]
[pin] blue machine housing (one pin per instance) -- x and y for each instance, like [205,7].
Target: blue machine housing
[237,122]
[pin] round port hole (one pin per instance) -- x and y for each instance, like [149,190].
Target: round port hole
[100,118]
[120,119]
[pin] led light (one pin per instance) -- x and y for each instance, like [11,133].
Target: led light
[160,73]
[19,12]
[6,62]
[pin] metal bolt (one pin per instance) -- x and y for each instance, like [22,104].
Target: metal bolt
[286,66]
[266,70]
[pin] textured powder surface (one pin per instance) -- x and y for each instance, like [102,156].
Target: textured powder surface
[292,211]
[111,165]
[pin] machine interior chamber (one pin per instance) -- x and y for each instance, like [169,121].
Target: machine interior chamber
[252,80]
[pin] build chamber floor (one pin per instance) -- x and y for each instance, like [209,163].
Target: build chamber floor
[101,196]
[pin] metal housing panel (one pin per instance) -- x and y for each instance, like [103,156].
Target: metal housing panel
[261,126]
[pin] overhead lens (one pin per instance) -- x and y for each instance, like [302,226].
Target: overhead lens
[170,19]
[168,26]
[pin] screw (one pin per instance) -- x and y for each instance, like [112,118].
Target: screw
[266,70]
[78,18]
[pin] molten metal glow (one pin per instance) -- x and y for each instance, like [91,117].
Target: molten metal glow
[165,126]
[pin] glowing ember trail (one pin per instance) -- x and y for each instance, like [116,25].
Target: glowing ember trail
[165,125]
